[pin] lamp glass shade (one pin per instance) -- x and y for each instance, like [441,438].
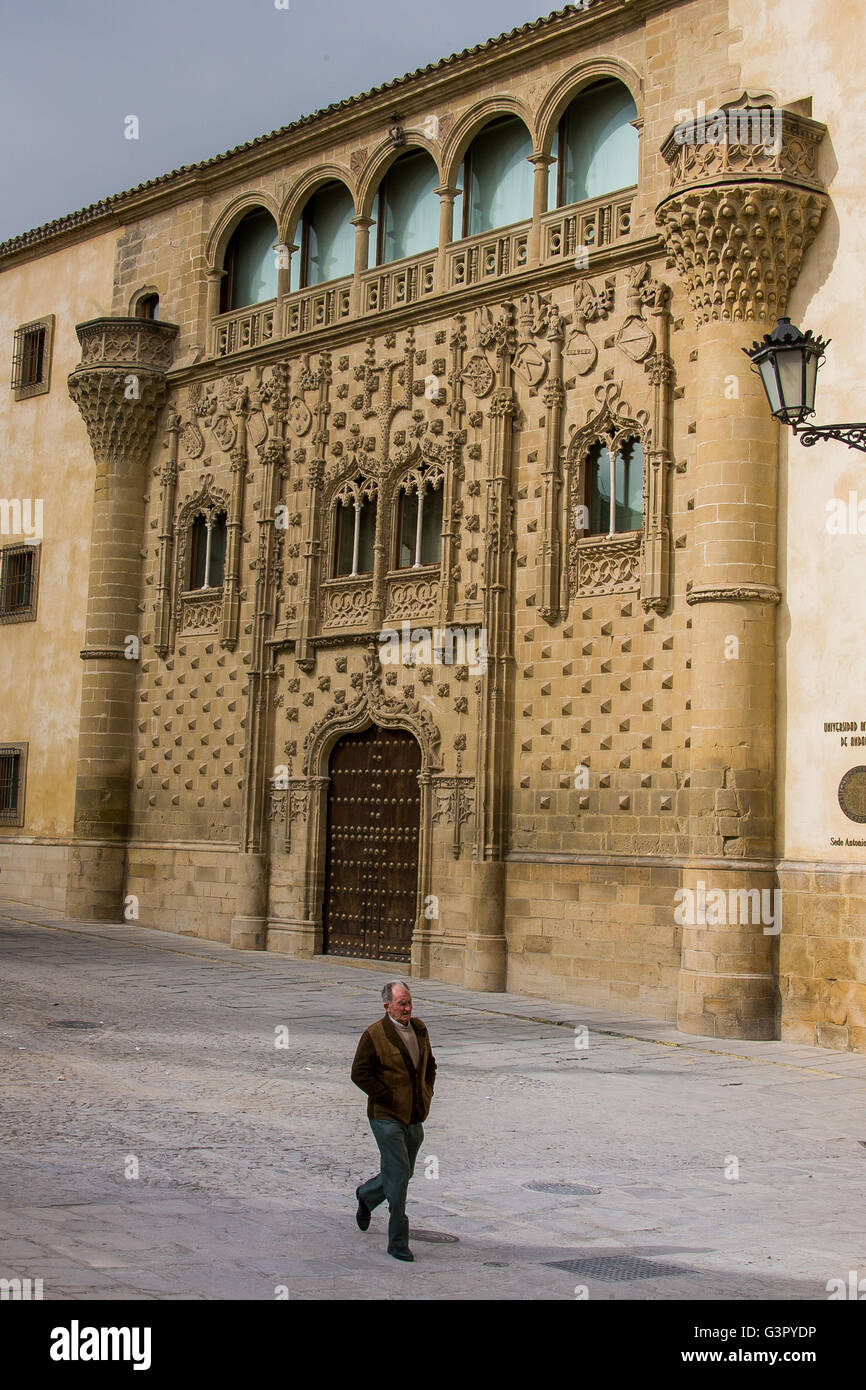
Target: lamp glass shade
[790,365]
[770,381]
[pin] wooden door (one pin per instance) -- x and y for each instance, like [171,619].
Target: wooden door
[371,873]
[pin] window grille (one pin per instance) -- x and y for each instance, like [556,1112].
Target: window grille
[31,358]
[13,762]
[18,573]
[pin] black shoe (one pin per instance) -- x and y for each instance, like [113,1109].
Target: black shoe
[402,1253]
[362,1215]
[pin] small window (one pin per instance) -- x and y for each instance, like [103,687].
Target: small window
[407,209]
[621,480]
[355,529]
[19,569]
[31,358]
[497,177]
[148,307]
[596,145]
[421,519]
[207,552]
[13,767]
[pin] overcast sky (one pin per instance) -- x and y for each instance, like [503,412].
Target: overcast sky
[200,75]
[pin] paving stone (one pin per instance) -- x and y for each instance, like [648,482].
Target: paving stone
[249,1157]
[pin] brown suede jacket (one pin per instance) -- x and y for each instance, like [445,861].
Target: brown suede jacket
[384,1070]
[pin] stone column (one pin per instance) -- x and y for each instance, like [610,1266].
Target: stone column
[737,224]
[485,965]
[362,227]
[447,194]
[119,387]
[541,164]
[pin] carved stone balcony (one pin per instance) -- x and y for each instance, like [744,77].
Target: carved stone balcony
[477,260]
[488,256]
[347,601]
[607,564]
[413,593]
[201,611]
[318,307]
[590,225]
[245,328]
[400,282]
[120,384]
[116,342]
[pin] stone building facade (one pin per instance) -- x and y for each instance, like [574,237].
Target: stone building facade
[509,762]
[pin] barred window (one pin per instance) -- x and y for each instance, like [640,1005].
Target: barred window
[13,764]
[31,358]
[19,568]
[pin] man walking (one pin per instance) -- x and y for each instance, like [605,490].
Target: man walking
[396,1069]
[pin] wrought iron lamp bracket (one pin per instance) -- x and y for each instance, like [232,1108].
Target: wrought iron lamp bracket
[852,435]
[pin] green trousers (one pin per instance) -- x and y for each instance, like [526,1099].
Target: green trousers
[398,1147]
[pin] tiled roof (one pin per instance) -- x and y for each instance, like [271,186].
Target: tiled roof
[94,211]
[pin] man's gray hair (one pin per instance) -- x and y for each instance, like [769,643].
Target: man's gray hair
[388,990]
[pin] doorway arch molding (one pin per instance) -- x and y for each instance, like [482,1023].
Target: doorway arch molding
[371,706]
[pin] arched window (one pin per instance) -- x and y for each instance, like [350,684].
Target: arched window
[596,146]
[355,528]
[251,263]
[420,518]
[621,479]
[207,551]
[147,307]
[325,238]
[407,208]
[497,177]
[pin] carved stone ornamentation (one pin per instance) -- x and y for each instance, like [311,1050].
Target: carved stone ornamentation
[347,604]
[402,712]
[413,596]
[200,612]
[478,375]
[454,804]
[610,565]
[740,218]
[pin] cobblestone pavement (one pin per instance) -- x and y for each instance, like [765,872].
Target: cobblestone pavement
[558,1166]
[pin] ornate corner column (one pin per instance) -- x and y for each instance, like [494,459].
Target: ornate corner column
[737,223]
[119,387]
[486,955]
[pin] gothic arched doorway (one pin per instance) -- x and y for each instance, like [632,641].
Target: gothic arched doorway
[371,866]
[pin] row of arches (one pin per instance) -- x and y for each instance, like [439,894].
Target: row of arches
[593,152]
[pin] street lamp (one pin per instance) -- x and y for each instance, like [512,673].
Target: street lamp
[787,362]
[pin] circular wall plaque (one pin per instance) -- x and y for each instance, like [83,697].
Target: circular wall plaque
[852,794]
